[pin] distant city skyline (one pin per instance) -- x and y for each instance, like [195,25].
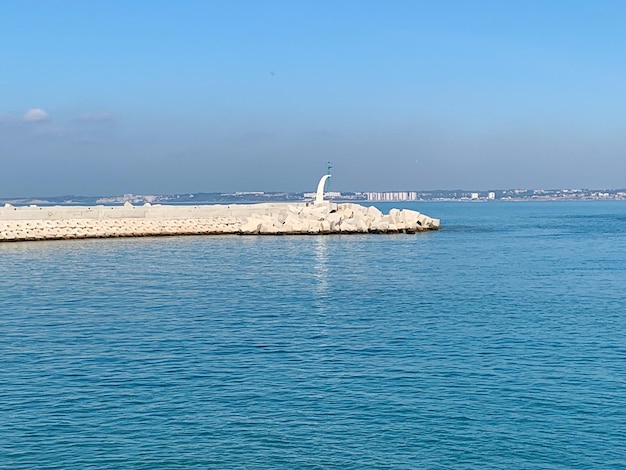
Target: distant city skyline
[373,197]
[101,98]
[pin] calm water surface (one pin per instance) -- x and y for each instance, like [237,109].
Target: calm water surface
[497,342]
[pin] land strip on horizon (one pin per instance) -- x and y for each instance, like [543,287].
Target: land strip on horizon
[362,196]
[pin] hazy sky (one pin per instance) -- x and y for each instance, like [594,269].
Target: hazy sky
[180,96]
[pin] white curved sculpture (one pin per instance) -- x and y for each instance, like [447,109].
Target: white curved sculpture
[319,196]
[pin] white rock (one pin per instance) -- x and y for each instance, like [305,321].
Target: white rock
[374,212]
[325,226]
[251,226]
[410,217]
[379,226]
[313,226]
[353,226]
[395,216]
[334,219]
[269,229]
[294,209]
[345,210]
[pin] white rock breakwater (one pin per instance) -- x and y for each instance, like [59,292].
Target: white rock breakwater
[66,222]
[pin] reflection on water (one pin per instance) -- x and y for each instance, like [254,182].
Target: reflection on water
[320,268]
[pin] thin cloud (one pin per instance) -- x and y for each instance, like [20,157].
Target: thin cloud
[91,117]
[35,115]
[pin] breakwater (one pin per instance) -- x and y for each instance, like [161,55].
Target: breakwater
[68,222]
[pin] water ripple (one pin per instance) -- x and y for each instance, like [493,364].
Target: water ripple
[484,348]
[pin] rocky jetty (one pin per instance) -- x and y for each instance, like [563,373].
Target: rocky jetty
[67,222]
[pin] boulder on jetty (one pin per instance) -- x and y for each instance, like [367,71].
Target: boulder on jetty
[65,222]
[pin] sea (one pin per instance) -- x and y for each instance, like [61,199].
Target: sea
[497,342]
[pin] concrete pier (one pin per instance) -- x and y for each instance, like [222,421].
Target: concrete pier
[68,222]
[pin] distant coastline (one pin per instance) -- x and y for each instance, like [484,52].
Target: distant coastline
[248,197]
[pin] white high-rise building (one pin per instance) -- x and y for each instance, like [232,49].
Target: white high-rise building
[392,196]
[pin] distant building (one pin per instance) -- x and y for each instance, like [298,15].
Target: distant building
[392,196]
[491,195]
[474,196]
[327,194]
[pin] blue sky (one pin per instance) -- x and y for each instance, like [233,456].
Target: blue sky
[160,97]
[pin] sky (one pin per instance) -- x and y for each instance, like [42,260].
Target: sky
[162,97]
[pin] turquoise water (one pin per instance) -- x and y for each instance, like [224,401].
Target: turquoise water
[497,342]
